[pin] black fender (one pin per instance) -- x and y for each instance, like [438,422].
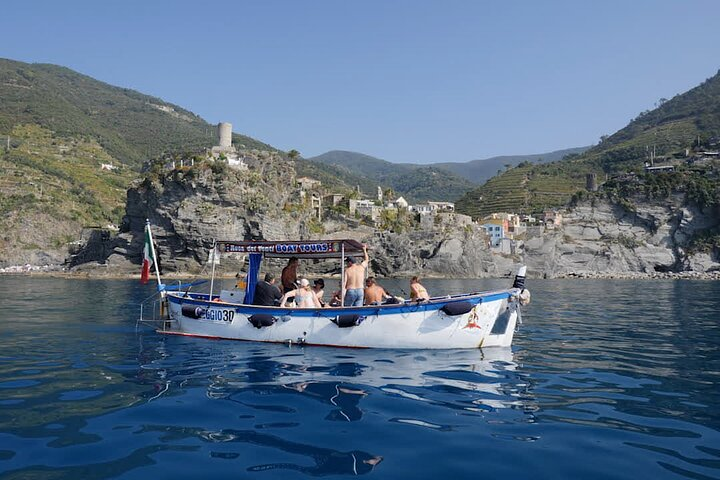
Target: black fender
[457,308]
[192,311]
[260,320]
[348,320]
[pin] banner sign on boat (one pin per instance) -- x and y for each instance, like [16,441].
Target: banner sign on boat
[310,248]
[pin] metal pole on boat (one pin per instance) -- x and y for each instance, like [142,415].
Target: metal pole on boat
[212,276]
[154,255]
[342,275]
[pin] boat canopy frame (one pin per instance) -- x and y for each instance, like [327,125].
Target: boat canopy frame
[293,248]
[301,249]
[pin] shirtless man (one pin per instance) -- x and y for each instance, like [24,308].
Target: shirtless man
[288,277]
[374,293]
[354,280]
[417,291]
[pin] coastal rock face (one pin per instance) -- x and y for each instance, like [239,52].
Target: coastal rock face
[188,210]
[450,252]
[186,213]
[607,239]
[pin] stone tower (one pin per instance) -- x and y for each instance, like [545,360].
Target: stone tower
[591,182]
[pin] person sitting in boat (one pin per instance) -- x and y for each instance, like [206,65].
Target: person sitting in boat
[288,277]
[354,276]
[266,292]
[304,296]
[417,291]
[241,281]
[336,299]
[319,289]
[374,293]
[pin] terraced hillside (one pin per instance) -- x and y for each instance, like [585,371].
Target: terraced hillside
[480,171]
[51,187]
[523,189]
[687,122]
[62,127]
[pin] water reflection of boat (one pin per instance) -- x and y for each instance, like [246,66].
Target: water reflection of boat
[478,380]
[472,320]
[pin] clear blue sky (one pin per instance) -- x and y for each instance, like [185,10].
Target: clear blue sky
[407,81]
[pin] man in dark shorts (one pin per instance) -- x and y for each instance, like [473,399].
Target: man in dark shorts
[266,292]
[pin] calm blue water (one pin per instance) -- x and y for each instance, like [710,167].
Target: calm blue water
[606,379]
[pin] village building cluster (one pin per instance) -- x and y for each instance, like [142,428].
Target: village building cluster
[505,231]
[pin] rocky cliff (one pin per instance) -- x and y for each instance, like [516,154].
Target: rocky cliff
[190,207]
[640,238]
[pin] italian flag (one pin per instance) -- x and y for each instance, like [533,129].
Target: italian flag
[148,259]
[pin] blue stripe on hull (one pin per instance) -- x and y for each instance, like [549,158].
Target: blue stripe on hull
[433,304]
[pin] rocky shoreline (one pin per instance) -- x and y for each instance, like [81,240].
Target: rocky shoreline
[102,272]
[644,276]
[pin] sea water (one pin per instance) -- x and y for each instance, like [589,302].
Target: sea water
[605,379]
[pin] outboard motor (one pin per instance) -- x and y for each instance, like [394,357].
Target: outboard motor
[524,296]
[520,278]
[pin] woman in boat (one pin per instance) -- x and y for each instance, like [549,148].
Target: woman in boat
[304,296]
[417,291]
[336,300]
[319,289]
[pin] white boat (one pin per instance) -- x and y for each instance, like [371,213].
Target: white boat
[472,320]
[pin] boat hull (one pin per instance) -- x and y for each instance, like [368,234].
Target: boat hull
[489,320]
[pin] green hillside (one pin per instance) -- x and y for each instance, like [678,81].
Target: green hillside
[525,188]
[58,128]
[416,183]
[689,121]
[335,179]
[52,186]
[479,171]
[130,126]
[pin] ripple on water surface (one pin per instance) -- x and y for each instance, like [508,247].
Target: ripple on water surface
[605,380]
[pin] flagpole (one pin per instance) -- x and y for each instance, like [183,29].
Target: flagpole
[212,277]
[152,250]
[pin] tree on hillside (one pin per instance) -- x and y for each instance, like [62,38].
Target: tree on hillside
[293,154]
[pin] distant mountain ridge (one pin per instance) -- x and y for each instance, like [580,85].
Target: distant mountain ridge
[418,182]
[413,182]
[479,171]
